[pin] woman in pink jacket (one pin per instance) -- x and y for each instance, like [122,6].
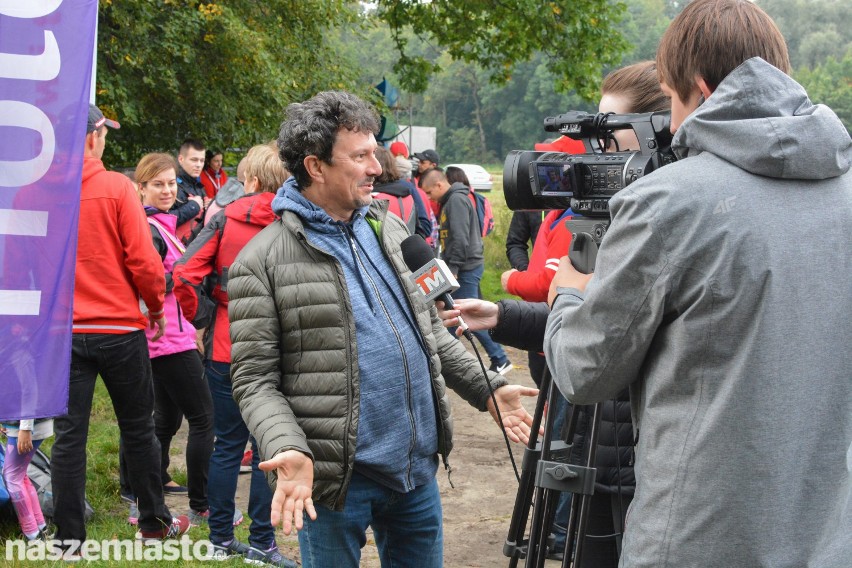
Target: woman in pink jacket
[179,386]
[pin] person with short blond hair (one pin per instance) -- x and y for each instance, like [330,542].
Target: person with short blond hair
[721,297]
[262,162]
[210,255]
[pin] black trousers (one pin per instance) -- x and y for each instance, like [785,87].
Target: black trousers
[124,366]
[606,517]
[180,389]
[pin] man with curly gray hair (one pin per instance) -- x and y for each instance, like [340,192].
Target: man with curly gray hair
[339,365]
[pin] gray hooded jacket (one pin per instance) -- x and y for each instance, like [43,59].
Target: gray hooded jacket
[723,297]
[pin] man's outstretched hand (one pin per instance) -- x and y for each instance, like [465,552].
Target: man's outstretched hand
[516,420]
[292,495]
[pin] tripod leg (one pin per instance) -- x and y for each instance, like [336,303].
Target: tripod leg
[523,499]
[545,499]
[585,500]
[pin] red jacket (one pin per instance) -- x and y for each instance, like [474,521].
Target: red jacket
[212,183]
[212,252]
[552,243]
[116,261]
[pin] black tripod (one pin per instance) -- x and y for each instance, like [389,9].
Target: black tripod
[545,474]
[546,471]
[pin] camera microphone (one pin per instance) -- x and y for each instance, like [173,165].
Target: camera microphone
[430,275]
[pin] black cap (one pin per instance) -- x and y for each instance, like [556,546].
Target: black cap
[97,119]
[430,155]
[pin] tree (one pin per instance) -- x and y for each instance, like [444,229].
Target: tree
[223,71]
[576,36]
[220,72]
[813,29]
[831,84]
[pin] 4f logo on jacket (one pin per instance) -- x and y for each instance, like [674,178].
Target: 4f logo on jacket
[725,205]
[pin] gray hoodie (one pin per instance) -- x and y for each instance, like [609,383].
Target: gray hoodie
[461,239]
[723,297]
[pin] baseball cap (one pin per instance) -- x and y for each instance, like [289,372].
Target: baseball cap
[430,155]
[97,119]
[399,148]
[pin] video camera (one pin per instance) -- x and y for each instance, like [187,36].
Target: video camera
[534,180]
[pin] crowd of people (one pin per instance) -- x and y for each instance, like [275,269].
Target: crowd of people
[154,278]
[273,309]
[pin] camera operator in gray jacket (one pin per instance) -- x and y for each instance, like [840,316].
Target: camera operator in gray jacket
[722,298]
[339,366]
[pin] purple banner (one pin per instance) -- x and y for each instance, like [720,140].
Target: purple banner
[45,78]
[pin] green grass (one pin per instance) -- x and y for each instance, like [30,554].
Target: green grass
[102,490]
[495,244]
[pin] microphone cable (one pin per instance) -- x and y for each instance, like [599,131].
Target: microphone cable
[467,333]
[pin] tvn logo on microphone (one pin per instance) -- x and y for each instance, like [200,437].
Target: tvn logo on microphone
[434,279]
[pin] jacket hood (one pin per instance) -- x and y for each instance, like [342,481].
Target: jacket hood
[254,209]
[289,198]
[396,188]
[457,187]
[230,192]
[762,121]
[91,167]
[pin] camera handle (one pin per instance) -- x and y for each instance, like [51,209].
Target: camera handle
[583,252]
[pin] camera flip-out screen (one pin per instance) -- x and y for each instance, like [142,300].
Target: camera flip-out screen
[552,179]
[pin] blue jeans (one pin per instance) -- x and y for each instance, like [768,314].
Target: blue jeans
[469,288]
[407,526]
[231,437]
[124,366]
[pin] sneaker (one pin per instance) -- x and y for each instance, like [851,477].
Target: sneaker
[501,368]
[198,519]
[133,517]
[179,526]
[128,497]
[271,557]
[227,551]
[245,464]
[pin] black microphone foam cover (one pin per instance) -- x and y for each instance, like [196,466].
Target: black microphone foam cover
[416,252]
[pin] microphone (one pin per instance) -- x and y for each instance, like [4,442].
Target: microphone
[430,275]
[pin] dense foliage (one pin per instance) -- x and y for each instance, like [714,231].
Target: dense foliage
[223,71]
[484,72]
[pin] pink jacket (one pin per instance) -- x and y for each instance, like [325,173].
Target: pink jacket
[180,334]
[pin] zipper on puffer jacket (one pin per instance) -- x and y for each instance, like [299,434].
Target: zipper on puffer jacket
[409,309]
[349,394]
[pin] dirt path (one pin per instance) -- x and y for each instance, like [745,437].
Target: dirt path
[478,510]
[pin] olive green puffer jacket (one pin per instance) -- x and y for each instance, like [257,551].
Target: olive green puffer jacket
[294,362]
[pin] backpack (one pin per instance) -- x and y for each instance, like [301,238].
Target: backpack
[39,474]
[483,212]
[206,309]
[402,207]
